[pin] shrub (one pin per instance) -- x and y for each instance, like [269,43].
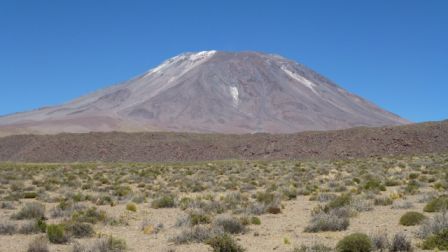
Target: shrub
[29,195]
[266,202]
[90,215]
[131,207]
[273,210]
[437,204]
[380,241]
[338,202]
[166,201]
[255,220]
[383,201]
[229,224]
[400,204]
[362,205]
[412,187]
[437,241]
[199,217]
[32,210]
[327,222]
[122,191]
[356,242]
[110,244]
[79,230]
[56,233]
[432,226]
[7,228]
[197,233]
[224,243]
[313,248]
[411,219]
[30,228]
[374,185]
[39,244]
[400,243]
[42,225]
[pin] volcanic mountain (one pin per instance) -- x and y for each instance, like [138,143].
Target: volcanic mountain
[211,91]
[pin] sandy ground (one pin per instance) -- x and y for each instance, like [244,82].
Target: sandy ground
[269,236]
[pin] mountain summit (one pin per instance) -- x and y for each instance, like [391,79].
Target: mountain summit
[211,91]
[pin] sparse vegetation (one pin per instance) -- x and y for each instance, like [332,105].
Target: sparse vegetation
[224,243]
[437,204]
[437,241]
[32,210]
[232,199]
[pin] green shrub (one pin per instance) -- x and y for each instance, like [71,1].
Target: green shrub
[255,220]
[392,183]
[122,191]
[338,202]
[199,217]
[131,207]
[224,243]
[411,219]
[265,197]
[437,204]
[30,195]
[166,201]
[412,187]
[90,215]
[374,185]
[437,241]
[42,225]
[56,233]
[356,242]
[32,210]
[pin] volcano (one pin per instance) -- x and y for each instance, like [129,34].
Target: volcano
[213,92]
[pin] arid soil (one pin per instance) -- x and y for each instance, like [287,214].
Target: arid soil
[287,206]
[160,147]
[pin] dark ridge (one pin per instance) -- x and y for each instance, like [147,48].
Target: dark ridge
[422,138]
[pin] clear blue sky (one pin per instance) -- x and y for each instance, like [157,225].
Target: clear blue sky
[392,52]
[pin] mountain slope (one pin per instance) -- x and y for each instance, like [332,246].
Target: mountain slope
[211,91]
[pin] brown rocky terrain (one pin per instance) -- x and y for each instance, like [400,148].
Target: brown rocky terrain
[160,147]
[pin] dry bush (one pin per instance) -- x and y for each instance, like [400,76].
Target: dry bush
[39,244]
[400,243]
[32,210]
[335,220]
[7,228]
[228,224]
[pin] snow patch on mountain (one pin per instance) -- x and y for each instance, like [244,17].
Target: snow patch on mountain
[300,79]
[187,60]
[235,95]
